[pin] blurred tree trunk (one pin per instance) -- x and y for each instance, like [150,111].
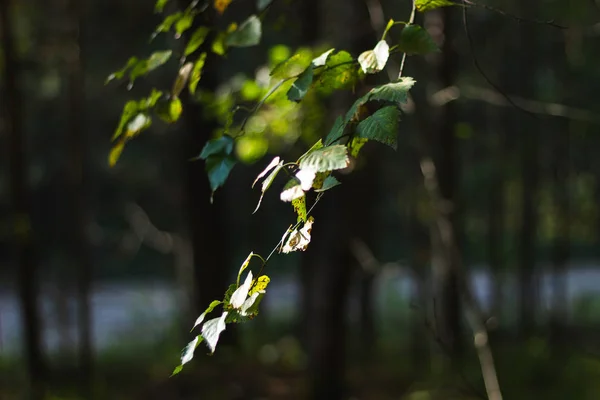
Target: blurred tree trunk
[445,149]
[24,239]
[207,221]
[496,207]
[76,183]
[523,83]
[561,245]
[327,264]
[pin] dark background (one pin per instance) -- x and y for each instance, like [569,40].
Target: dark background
[103,270]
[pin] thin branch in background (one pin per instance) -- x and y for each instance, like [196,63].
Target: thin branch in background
[480,69]
[488,96]
[515,17]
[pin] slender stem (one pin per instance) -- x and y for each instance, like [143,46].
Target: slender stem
[410,21]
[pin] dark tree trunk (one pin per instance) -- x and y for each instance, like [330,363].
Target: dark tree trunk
[561,245]
[207,221]
[445,149]
[76,182]
[528,132]
[24,238]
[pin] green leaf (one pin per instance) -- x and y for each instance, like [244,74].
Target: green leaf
[355,145]
[292,66]
[373,61]
[260,285]
[326,159]
[416,40]
[167,23]
[196,73]
[218,45]
[220,145]
[196,40]
[211,330]
[169,110]
[427,5]
[396,92]
[120,73]
[159,6]
[142,67]
[129,110]
[184,23]
[139,123]
[115,153]
[232,288]
[301,84]
[336,132]
[248,34]
[382,126]
[328,183]
[208,310]
[218,169]
[339,72]
[299,205]
[262,4]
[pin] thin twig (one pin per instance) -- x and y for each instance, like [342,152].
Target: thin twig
[410,21]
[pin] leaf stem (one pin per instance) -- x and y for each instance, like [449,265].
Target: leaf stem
[410,21]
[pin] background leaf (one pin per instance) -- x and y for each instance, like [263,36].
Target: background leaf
[218,169]
[382,126]
[248,34]
[416,40]
[328,183]
[222,144]
[221,5]
[427,5]
[301,84]
[339,72]
[196,40]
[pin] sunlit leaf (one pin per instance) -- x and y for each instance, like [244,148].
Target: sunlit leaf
[155,60]
[268,168]
[221,5]
[427,5]
[245,265]
[159,6]
[276,165]
[167,23]
[322,59]
[260,285]
[373,61]
[208,310]
[292,66]
[239,296]
[300,238]
[326,159]
[211,330]
[187,354]
[306,178]
[328,183]
[416,40]
[196,73]
[248,34]
[355,145]
[170,110]
[120,73]
[115,153]
[218,45]
[129,110]
[320,179]
[139,123]
[336,131]
[396,92]
[182,78]
[262,4]
[184,23]
[291,191]
[382,126]
[301,84]
[196,40]
[339,72]
[220,145]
